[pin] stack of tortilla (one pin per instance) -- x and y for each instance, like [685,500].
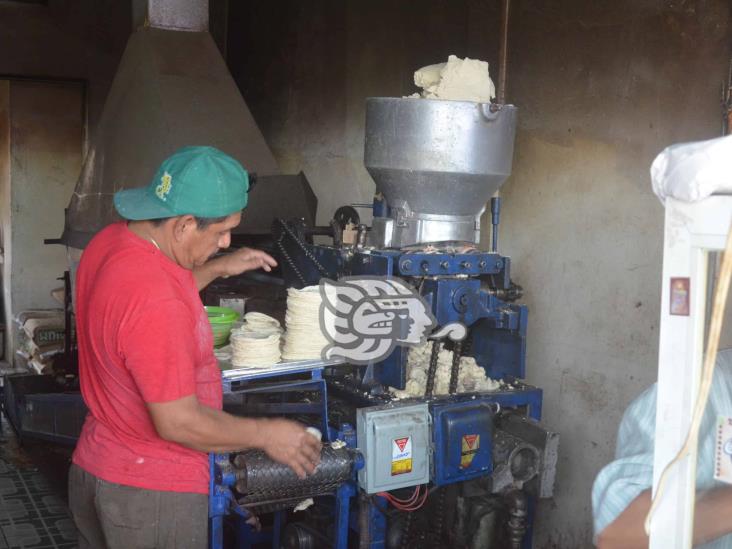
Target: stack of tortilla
[257,343]
[304,340]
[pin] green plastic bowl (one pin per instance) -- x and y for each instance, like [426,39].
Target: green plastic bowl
[221,320]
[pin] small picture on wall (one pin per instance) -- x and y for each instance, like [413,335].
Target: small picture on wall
[679,297]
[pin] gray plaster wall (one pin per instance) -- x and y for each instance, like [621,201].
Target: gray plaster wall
[305,68]
[602,87]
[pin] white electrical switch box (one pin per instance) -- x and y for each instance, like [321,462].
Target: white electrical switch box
[394,441]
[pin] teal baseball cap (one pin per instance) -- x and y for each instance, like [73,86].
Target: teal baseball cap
[199,181]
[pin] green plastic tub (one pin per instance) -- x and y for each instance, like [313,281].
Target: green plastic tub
[221,319]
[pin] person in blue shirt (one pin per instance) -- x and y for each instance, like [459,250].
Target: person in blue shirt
[621,494]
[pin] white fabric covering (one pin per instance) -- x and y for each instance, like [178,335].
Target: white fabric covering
[693,171]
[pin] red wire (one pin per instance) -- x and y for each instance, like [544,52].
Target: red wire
[412,504]
[412,499]
[417,505]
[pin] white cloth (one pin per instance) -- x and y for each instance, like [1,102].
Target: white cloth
[693,171]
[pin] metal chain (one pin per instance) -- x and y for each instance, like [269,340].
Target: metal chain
[439,520]
[430,385]
[304,248]
[406,531]
[455,372]
[290,262]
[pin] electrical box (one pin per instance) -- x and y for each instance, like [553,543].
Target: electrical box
[395,444]
[463,441]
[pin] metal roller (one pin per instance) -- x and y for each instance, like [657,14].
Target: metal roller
[260,478]
[270,506]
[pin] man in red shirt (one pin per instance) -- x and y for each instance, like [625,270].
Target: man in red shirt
[148,374]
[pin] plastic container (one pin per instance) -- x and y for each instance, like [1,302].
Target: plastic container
[222,319]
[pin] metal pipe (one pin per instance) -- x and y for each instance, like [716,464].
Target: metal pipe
[495,220]
[517,508]
[727,102]
[503,52]
[184,15]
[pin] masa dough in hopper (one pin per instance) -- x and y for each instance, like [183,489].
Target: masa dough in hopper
[457,80]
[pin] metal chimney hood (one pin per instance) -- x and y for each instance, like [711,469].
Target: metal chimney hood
[172,89]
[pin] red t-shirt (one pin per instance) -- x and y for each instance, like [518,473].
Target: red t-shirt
[143,337]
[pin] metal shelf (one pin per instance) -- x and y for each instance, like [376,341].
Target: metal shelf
[231,375]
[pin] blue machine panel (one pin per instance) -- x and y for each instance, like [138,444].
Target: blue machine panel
[462,438]
[502,352]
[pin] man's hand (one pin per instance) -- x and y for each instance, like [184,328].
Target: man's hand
[196,426]
[288,442]
[711,520]
[232,264]
[243,260]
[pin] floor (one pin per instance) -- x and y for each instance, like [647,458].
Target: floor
[33,508]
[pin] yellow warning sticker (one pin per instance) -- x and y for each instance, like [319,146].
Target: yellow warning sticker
[470,445]
[401,467]
[401,456]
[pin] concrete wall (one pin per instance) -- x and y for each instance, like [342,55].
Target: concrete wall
[305,68]
[80,40]
[601,87]
[76,39]
[46,134]
[602,90]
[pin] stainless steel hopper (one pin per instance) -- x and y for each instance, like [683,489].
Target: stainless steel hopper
[436,163]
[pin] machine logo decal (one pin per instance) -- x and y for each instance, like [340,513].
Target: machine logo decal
[163,189]
[401,456]
[365,318]
[470,445]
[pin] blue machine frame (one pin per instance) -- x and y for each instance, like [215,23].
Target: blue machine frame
[222,480]
[499,327]
[458,287]
[222,501]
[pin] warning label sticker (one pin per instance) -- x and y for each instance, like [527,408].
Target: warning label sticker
[470,445]
[401,456]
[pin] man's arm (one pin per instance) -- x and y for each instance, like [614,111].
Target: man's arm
[232,264]
[199,427]
[712,519]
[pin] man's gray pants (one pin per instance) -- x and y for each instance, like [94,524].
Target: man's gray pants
[113,516]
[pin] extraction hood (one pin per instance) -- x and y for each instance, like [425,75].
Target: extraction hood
[172,89]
